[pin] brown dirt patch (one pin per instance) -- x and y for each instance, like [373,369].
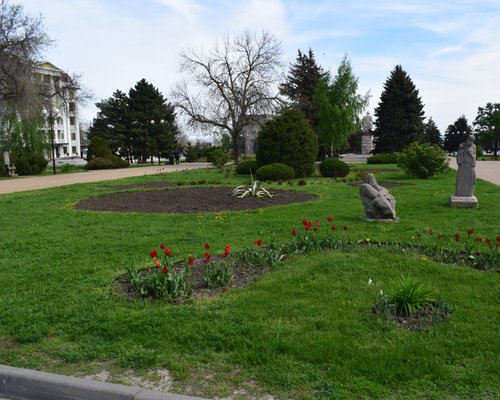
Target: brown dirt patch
[187,201]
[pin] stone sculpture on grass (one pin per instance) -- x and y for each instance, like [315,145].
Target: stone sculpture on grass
[379,203]
[466,175]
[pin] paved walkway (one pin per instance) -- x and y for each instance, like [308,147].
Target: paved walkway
[22,184]
[486,170]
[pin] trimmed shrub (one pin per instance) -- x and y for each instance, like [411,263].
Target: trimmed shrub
[107,163]
[247,166]
[288,139]
[275,172]
[383,158]
[98,148]
[333,168]
[30,164]
[423,160]
[217,157]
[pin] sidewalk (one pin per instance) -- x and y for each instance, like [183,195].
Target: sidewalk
[485,170]
[25,384]
[22,184]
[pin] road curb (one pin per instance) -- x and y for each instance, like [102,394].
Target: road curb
[25,384]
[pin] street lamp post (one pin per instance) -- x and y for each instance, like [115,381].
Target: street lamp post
[162,121]
[49,117]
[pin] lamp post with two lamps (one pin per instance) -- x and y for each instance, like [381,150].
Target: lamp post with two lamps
[50,116]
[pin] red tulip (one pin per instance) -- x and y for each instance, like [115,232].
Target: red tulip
[498,239]
[207,246]
[190,260]
[488,241]
[294,232]
[479,240]
[317,223]
[457,236]
[430,231]
[153,253]
[346,228]
[470,232]
[157,263]
[258,242]
[418,235]
[162,246]
[329,219]
[168,252]
[333,228]
[164,271]
[228,249]
[315,229]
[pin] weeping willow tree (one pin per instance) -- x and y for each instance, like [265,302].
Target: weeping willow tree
[22,136]
[339,107]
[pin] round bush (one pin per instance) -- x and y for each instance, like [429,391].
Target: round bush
[275,172]
[107,163]
[217,157]
[333,168]
[98,148]
[288,139]
[383,158]
[423,160]
[247,166]
[30,164]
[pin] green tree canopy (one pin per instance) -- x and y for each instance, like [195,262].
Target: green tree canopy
[300,85]
[432,133]
[456,134]
[141,124]
[399,115]
[487,126]
[339,107]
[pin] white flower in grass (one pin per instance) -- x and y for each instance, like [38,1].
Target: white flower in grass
[381,292]
[370,282]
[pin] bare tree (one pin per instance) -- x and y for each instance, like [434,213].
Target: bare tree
[233,82]
[22,39]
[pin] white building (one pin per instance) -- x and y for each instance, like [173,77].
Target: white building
[60,96]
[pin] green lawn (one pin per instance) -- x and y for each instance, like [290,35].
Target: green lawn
[303,331]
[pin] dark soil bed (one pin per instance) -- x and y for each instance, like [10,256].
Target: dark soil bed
[187,200]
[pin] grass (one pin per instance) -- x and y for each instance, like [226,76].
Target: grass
[303,331]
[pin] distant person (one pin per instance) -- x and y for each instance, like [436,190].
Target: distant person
[177,157]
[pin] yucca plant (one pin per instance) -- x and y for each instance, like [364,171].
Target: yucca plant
[254,190]
[410,295]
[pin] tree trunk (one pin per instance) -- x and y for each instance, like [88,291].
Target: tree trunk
[236,147]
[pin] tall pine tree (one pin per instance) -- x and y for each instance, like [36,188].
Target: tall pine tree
[399,115]
[432,134]
[456,134]
[154,129]
[300,85]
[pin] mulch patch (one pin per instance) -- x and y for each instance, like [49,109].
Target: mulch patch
[187,200]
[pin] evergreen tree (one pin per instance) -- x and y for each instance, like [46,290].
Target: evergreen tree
[113,122]
[300,85]
[432,134]
[399,115]
[487,124]
[456,134]
[339,106]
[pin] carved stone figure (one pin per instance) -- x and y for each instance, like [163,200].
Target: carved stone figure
[367,122]
[466,175]
[378,202]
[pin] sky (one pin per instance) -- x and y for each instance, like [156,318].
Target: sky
[450,49]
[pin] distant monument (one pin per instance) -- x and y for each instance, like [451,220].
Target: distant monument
[366,133]
[378,202]
[466,175]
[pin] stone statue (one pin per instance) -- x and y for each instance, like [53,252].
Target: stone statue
[466,175]
[378,202]
[367,122]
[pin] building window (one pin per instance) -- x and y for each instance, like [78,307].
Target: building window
[72,120]
[65,150]
[46,78]
[73,136]
[73,149]
[72,107]
[60,134]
